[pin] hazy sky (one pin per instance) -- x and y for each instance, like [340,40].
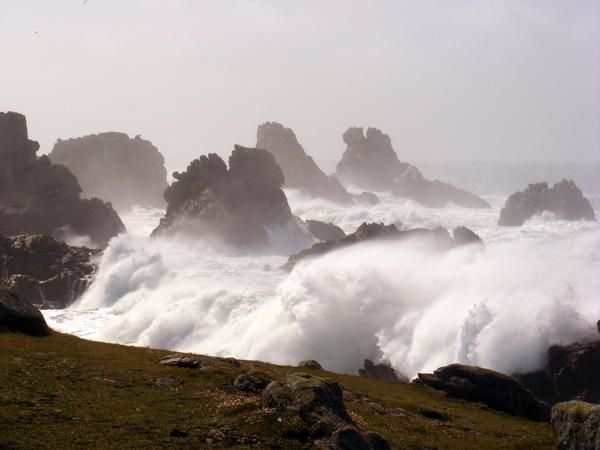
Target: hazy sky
[448,80]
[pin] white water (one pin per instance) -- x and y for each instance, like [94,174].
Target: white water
[498,307]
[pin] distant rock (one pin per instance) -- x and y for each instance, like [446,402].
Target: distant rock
[370,162]
[44,270]
[238,205]
[310,364]
[18,315]
[180,361]
[496,390]
[564,199]
[381,371]
[38,197]
[576,426]
[464,236]
[324,231]
[111,166]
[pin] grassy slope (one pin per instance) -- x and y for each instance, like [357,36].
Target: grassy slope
[62,392]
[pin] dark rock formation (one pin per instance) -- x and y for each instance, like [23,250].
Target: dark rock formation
[564,199]
[320,405]
[180,361]
[300,170]
[18,315]
[382,371]
[38,197]
[44,270]
[324,231]
[253,381]
[576,426]
[571,373]
[310,364]
[464,236]
[237,205]
[371,163]
[496,390]
[113,167]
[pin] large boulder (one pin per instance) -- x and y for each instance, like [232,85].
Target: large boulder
[114,167]
[300,170]
[38,197]
[576,426]
[496,390]
[370,162]
[564,199]
[239,205]
[324,231]
[45,270]
[18,315]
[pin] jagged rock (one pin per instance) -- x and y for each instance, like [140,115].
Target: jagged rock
[111,166]
[253,381]
[496,390]
[18,315]
[564,199]
[464,236]
[576,425]
[238,205]
[324,231]
[44,270]
[38,197]
[571,373]
[310,364]
[382,371]
[371,163]
[180,361]
[300,170]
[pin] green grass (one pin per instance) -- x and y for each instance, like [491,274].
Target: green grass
[62,392]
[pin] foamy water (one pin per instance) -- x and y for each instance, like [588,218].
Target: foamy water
[499,307]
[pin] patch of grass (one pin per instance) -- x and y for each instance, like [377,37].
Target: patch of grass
[62,392]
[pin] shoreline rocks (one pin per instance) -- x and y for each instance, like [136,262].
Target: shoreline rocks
[18,315]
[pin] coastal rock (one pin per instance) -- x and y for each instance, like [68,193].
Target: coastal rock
[18,315]
[310,364]
[564,199]
[38,197]
[576,425]
[381,371]
[45,270]
[464,236]
[180,361]
[324,231]
[370,162]
[496,390]
[300,170]
[111,166]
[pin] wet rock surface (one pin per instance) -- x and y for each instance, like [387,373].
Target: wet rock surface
[38,197]
[564,199]
[576,425]
[370,162]
[18,315]
[324,231]
[114,167]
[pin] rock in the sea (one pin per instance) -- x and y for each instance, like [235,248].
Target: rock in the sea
[496,390]
[382,371]
[300,170]
[45,270]
[576,425]
[111,166]
[464,236]
[238,205]
[571,373]
[324,231]
[564,199]
[18,315]
[38,197]
[370,162]
[310,364]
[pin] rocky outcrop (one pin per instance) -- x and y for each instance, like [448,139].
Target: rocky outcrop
[370,162]
[300,170]
[571,373]
[465,236]
[576,426]
[324,231]
[310,364]
[18,315]
[253,381]
[38,197]
[320,405]
[111,166]
[238,205]
[44,270]
[382,371]
[564,199]
[496,390]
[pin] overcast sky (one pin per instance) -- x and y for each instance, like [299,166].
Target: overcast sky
[449,80]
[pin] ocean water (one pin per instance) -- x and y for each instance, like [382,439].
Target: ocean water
[499,306]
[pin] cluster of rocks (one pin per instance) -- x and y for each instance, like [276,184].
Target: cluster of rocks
[46,271]
[370,162]
[564,199]
[238,204]
[38,197]
[18,315]
[111,166]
